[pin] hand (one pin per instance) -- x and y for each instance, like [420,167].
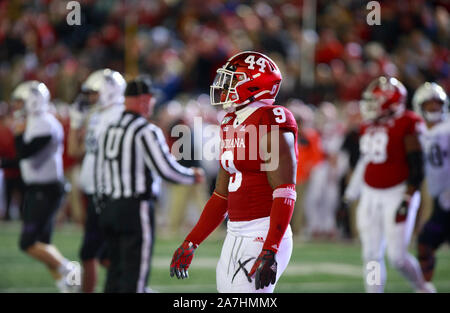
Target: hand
[265,268]
[76,118]
[181,260]
[344,208]
[402,210]
[199,174]
[19,127]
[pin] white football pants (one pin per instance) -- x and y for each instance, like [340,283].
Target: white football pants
[321,199]
[377,230]
[241,248]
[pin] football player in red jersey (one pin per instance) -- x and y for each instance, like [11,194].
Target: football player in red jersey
[391,172]
[256,181]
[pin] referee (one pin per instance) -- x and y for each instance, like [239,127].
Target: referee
[131,159]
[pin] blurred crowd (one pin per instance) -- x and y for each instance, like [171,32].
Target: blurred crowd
[180,43]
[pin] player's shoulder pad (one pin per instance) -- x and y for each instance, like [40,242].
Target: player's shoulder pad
[444,127]
[44,124]
[414,122]
[278,115]
[446,123]
[413,116]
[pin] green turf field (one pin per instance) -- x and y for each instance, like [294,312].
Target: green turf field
[314,267]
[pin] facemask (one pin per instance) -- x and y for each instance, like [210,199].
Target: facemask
[433,117]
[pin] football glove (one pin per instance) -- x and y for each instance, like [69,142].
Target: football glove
[265,268]
[402,210]
[344,208]
[181,260]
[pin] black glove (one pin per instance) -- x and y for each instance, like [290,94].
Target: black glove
[344,209]
[265,268]
[402,210]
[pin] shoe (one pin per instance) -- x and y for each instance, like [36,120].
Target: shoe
[62,286]
[150,290]
[70,282]
[428,287]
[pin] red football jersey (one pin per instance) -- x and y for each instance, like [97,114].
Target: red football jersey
[249,192]
[384,146]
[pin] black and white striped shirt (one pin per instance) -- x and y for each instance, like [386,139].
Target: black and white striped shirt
[132,156]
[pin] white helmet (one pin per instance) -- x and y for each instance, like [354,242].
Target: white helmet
[34,94]
[430,91]
[109,84]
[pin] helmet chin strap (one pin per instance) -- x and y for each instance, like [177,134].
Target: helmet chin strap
[228,107]
[231,107]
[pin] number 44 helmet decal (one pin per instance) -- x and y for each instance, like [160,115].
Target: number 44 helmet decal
[246,77]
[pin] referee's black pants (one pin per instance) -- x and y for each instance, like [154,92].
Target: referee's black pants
[128,225]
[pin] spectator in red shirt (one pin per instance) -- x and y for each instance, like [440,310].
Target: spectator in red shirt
[13,181]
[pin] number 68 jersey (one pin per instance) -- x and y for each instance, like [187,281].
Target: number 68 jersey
[383,146]
[436,148]
[242,156]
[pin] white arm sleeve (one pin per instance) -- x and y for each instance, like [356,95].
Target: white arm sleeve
[353,189]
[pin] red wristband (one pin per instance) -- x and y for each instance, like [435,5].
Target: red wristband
[213,214]
[280,215]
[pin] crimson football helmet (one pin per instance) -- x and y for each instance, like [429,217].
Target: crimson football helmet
[246,77]
[383,97]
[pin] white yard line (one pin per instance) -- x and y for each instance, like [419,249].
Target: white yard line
[300,287]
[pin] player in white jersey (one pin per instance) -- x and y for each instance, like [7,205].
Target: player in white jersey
[100,104]
[431,101]
[39,144]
